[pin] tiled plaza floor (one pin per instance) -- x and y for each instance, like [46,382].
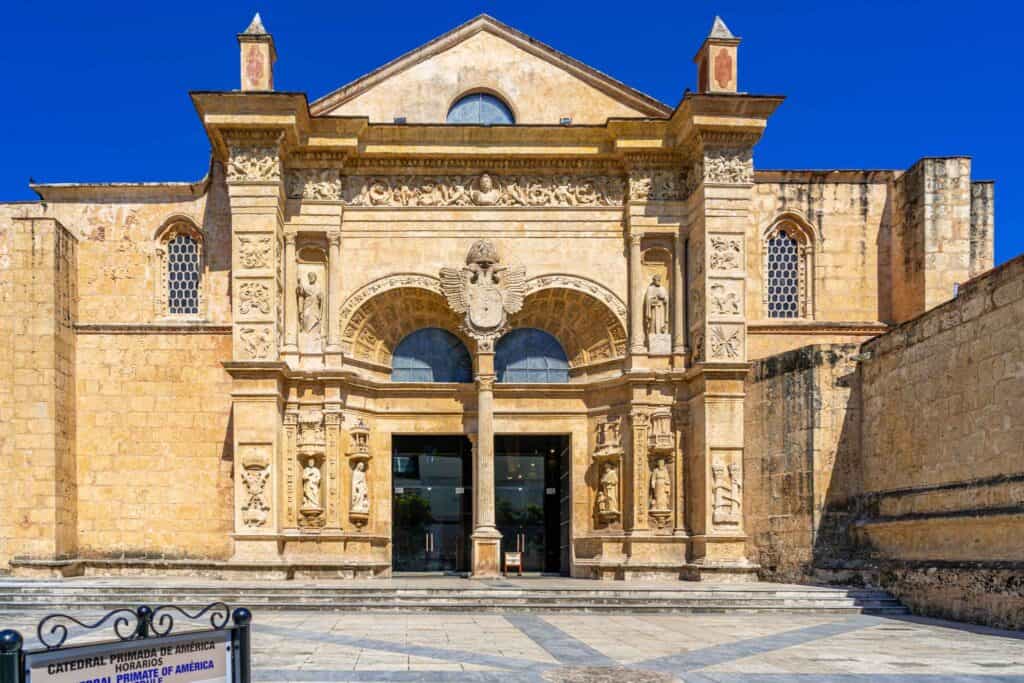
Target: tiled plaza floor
[325,646]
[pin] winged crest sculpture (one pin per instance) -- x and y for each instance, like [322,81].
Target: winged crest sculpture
[484,291]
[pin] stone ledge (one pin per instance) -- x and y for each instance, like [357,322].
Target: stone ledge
[221,569]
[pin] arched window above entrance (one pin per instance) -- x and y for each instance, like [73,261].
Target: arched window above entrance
[530,355]
[481,109]
[431,355]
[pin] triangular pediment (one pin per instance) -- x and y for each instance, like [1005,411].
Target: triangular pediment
[540,84]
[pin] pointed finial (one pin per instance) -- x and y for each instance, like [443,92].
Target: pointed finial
[718,29]
[256,27]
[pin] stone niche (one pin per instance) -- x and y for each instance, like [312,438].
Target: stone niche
[311,294]
[607,462]
[657,297]
[661,446]
[359,457]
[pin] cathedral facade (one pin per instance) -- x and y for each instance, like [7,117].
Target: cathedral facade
[483,303]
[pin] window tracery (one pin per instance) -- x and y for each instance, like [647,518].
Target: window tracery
[180,266]
[788,248]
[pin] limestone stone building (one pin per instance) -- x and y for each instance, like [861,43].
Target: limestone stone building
[483,299]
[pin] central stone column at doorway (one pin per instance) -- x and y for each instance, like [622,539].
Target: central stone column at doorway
[486,537]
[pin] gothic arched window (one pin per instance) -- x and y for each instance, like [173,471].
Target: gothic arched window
[481,109]
[530,355]
[788,286]
[431,355]
[180,254]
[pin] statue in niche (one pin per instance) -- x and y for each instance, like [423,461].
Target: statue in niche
[485,194]
[360,492]
[608,491]
[656,307]
[311,304]
[661,487]
[311,485]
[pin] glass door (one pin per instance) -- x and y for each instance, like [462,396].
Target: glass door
[527,501]
[431,509]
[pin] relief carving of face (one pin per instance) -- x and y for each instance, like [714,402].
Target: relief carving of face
[486,184]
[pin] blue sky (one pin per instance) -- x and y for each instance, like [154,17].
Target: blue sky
[99,92]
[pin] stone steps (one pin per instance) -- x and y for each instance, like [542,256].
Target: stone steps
[372,598]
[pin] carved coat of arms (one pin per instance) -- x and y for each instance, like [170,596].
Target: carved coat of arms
[484,291]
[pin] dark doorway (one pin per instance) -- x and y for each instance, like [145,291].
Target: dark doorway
[531,493]
[431,511]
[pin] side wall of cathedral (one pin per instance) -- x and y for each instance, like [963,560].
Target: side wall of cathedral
[942,453]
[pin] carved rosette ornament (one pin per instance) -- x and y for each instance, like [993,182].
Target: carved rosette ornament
[359,458]
[484,292]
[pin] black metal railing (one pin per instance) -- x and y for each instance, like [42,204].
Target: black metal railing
[128,624]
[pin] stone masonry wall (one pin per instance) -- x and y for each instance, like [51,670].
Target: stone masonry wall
[943,454]
[801,432]
[37,416]
[154,440]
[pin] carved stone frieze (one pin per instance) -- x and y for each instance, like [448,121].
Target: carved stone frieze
[253,164]
[314,183]
[728,165]
[655,184]
[483,190]
[254,298]
[255,251]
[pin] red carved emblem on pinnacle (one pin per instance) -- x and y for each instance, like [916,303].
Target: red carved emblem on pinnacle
[253,67]
[723,68]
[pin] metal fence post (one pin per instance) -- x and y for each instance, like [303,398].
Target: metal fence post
[145,616]
[10,656]
[243,618]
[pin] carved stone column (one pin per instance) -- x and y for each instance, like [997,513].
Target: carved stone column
[636,304]
[718,331]
[291,307]
[256,196]
[637,474]
[486,537]
[678,301]
[333,355]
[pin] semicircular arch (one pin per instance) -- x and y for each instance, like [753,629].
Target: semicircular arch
[584,285]
[588,329]
[373,330]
